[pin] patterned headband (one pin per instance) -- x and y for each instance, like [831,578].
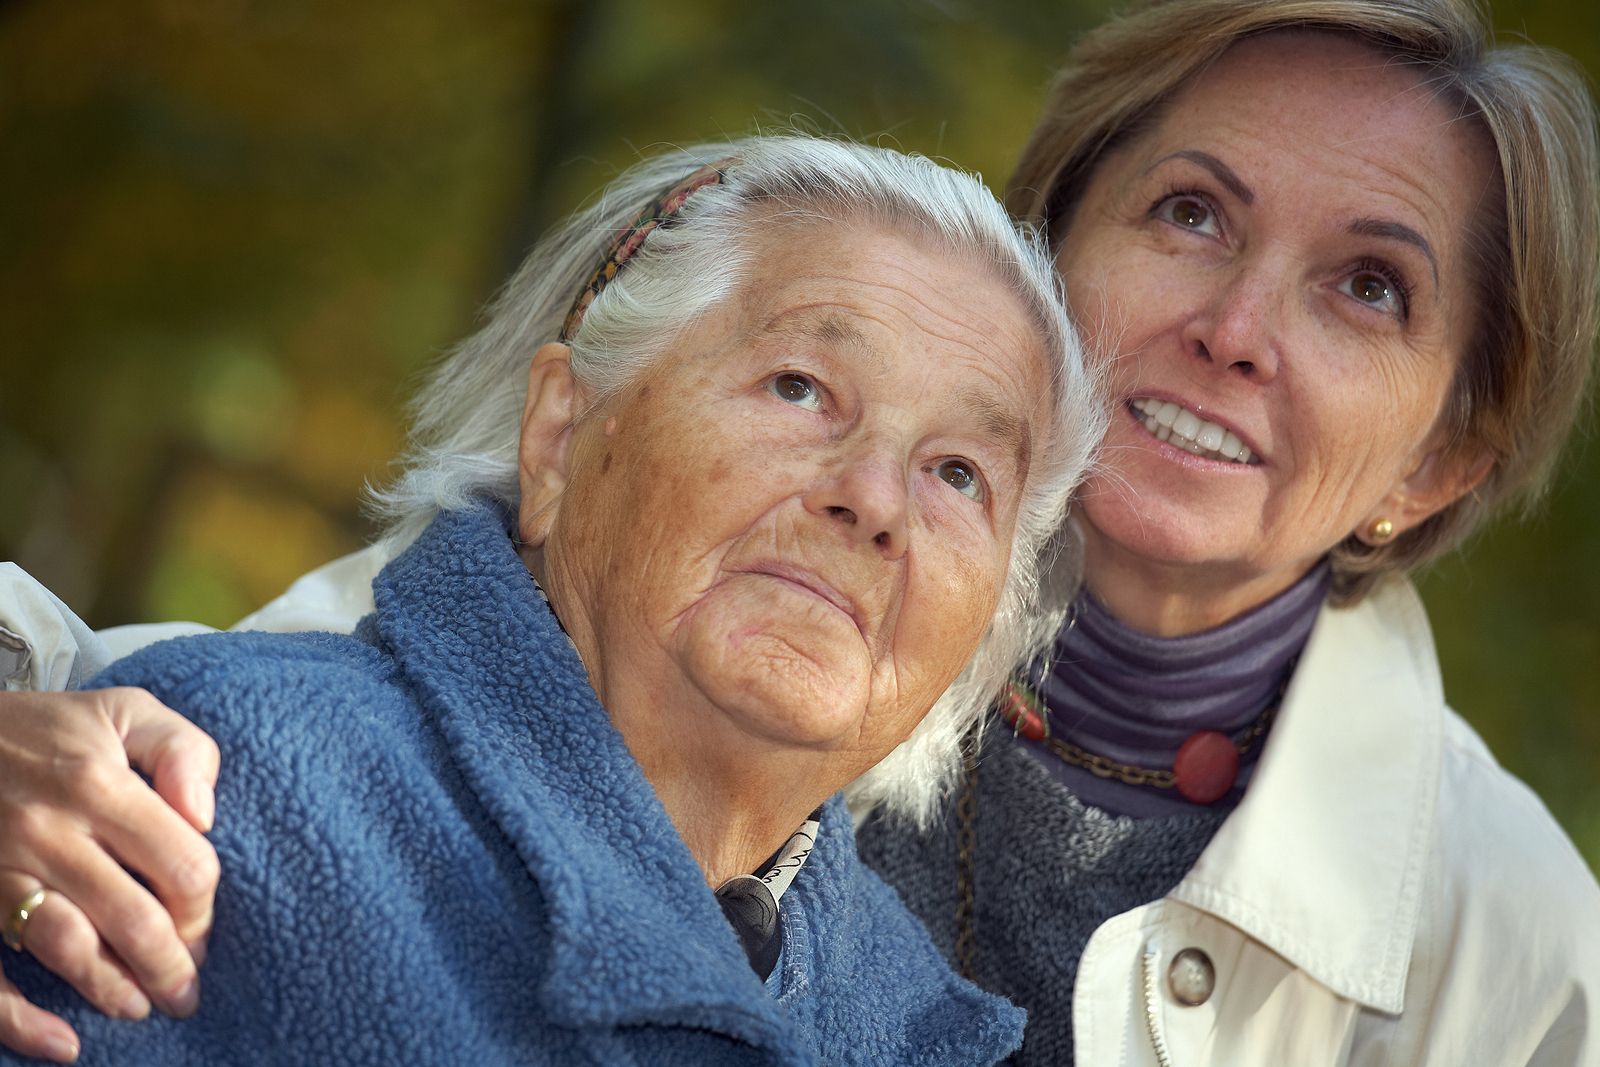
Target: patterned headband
[660,212]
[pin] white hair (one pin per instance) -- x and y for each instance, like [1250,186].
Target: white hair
[467,417]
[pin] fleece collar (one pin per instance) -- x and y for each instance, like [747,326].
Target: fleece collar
[1323,861]
[635,936]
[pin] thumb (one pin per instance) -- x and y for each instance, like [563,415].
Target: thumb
[179,757]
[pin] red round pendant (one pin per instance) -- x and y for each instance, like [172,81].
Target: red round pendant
[1021,715]
[1206,766]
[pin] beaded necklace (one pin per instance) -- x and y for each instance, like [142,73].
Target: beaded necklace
[1204,769]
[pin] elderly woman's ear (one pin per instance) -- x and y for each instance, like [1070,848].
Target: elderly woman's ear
[1440,477]
[544,451]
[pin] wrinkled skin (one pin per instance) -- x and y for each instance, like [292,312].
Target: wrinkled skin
[1269,316]
[1275,299]
[831,468]
[72,790]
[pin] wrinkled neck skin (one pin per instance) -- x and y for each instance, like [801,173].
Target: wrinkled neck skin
[734,800]
[1173,599]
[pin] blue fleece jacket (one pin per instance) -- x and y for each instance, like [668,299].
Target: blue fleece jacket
[437,850]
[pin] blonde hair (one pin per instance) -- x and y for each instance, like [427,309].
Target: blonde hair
[1520,386]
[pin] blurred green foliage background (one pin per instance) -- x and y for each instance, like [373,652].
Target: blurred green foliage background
[232,231]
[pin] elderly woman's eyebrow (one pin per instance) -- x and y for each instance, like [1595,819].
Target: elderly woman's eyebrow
[839,332]
[1003,426]
[831,330]
[998,423]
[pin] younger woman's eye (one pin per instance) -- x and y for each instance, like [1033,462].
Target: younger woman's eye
[797,389]
[961,476]
[1188,212]
[1379,288]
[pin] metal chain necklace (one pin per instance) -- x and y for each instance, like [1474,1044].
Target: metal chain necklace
[1205,768]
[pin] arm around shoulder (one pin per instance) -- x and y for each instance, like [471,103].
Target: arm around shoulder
[45,646]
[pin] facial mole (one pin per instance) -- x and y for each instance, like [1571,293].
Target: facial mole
[605,463]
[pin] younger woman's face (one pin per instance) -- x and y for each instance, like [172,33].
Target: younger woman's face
[1280,270]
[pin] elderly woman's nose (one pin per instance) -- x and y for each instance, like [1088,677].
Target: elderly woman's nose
[867,495]
[1237,324]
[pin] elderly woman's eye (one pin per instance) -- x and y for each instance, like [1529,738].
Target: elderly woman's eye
[1380,288]
[798,390]
[1188,213]
[962,477]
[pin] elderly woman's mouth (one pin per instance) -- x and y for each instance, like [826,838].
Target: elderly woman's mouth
[1182,428]
[808,581]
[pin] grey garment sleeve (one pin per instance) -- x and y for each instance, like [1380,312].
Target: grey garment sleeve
[43,643]
[45,646]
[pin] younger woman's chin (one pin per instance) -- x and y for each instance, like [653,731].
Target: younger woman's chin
[1119,532]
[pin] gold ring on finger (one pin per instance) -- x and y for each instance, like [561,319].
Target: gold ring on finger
[17,921]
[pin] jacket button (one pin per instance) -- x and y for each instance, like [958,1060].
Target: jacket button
[1191,977]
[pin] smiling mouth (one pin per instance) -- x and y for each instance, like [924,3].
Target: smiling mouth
[1182,428]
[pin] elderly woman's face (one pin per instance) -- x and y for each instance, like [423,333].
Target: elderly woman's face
[795,528]
[1281,266]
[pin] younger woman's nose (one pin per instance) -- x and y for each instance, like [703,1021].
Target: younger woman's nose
[1238,326]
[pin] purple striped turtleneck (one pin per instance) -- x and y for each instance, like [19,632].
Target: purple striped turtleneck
[1135,698]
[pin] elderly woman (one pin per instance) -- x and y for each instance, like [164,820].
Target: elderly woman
[1343,254]
[685,555]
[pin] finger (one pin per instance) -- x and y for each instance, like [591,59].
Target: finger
[180,758]
[60,937]
[178,863]
[136,927]
[31,1031]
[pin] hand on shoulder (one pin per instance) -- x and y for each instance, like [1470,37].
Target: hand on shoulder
[74,807]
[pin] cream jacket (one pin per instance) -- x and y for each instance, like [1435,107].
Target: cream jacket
[1376,904]
[1404,902]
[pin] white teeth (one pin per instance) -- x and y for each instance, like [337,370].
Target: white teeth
[1183,428]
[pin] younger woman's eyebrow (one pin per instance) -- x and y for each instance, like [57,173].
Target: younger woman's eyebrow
[1396,231]
[1219,170]
[1364,227]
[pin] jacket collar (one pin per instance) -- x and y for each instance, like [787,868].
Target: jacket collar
[1323,860]
[633,935]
